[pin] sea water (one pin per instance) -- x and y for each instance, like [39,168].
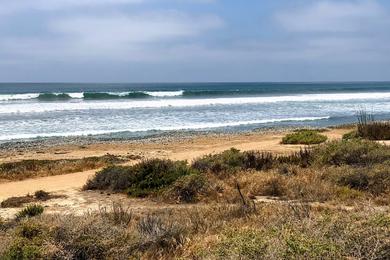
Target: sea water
[29,110]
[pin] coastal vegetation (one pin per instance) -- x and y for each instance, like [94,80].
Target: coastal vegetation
[37,168]
[329,201]
[369,128]
[304,136]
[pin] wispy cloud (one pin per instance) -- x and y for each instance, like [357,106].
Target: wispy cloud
[334,16]
[50,5]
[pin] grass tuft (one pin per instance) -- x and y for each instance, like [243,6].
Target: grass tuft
[370,129]
[30,211]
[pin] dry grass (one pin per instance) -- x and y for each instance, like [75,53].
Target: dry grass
[370,129]
[223,231]
[38,168]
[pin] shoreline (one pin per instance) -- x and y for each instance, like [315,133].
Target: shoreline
[158,137]
[173,145]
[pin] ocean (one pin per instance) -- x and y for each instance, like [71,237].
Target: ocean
[31,110]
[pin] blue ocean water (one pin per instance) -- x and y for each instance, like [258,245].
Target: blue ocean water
[29,110]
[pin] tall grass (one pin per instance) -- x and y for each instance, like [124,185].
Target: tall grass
[369,128]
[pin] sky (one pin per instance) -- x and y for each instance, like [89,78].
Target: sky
[194,40]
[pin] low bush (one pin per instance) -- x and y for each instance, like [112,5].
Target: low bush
[227,161]
[30,230]
[26,243]
[30,211]
[304,137]
[375,180]
[351,152]
[140,180]
[187,189]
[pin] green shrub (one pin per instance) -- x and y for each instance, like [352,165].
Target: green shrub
[304,137]
[23,249]
[141,179]
[227,161]
[27,242]
[351,152]
[116,178]
[30,211]
[186,188]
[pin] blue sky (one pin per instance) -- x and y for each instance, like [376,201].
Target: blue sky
[194,40]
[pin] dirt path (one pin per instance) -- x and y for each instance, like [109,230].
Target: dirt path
[49,184]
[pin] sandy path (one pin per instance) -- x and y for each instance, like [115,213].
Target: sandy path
[49,184]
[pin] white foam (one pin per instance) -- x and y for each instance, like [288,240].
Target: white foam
[39,107]
[76,95]
[197,126]
[164,93]
[7,97]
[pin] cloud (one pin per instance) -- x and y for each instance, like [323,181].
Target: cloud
[115,36]
[334,16]
[174,37]
[51,5]
[336,31]
[148,27]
